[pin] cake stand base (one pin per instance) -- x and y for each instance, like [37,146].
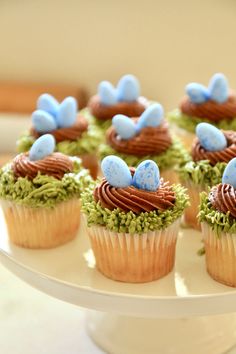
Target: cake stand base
[130,335]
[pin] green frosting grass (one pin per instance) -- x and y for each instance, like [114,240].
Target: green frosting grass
[119,221]
[218,221]
[189,123]
[102,125]
[43,190]
[175,155]
[202,172]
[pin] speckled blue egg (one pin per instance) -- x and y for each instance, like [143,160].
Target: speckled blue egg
[107,93]
[43,122]
[197,93]
[147,176]
[128,89]
[229,175]
[48,103]
[218,88]
[211,138]
[124,126]
[116,172]
[151,117]
[42,147]
[67,112]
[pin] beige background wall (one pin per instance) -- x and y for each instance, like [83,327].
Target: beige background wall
[165,43]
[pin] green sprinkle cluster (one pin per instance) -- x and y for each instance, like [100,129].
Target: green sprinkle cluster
[43,190]
[189,123]
[119,221]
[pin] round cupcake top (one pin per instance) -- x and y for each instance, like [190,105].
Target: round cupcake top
[214,102]
[124,99]
[146,135]
[140,190]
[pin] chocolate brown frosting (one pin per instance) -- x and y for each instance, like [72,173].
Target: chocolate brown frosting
[211,110]
[133,199]
[70,133]
[199,153]
[150,140]
[55,165]
[223,198]
[129,109]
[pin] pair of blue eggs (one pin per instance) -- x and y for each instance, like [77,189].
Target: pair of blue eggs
[217,90]
[51,114]
[126,128]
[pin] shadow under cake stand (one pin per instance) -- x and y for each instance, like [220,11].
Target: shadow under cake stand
[185,312]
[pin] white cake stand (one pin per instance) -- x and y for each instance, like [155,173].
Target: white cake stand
[185,312]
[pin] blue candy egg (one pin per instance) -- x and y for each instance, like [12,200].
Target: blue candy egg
[128,89]
[124,126]
[107,93]
[218,88]
[48,103]
[43,122]
[42,147]
[229,175]
[147,176]
[67,112]
[116,172]
[151,117]
[197,93]
[211,138]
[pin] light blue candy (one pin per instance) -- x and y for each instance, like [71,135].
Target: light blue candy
[43,122]
[107,93]
[48,103]
[67,112]
[147,176]
[124,126]
[211,138]
[116,172]
[128,89]
[218,88]
[197,92]
[151,117]
[229,175]
[42,147]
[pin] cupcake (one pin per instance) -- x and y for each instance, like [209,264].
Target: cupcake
[39,195]
[109,101]
[74,134]
[212,149]
[145,137]
[215,104]
[133,218]
[218,222]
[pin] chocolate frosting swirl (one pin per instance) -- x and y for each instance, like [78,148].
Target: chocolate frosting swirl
[104,112]
[150,140]
[69,133]
[55,165]
[133,199]
[223,198]
[211,110]
[199,153]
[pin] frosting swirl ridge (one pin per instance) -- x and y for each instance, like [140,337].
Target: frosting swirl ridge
[55,165]
[199,153]
[69,133]
[133,199]
[150,140]
[223,198]
[211,110]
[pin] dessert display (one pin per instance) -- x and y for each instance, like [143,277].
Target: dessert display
[212,149]
[74,134]
[145,137]
[133,218]
[40,195]
[215,104]
[218,221]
